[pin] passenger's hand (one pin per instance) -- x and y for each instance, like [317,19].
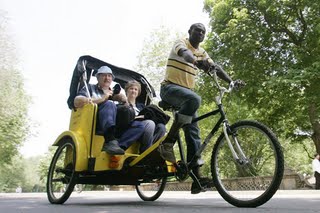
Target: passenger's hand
[139,117]
[120,98]
[89,101]
[107,94]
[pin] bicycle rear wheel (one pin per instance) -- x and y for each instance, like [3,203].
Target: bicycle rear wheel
[151,190]
[255,178]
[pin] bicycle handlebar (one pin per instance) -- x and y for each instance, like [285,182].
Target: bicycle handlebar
[232,85]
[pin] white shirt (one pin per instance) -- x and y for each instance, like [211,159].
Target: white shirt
[316,165]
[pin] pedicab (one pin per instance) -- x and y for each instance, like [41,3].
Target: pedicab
[241,174]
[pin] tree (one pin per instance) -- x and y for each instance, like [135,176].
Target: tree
[275,47]
[13,99]
[154,54]
[14,125]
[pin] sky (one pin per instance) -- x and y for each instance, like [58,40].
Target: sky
[50,36]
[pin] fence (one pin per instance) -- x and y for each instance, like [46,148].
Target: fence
[290,181]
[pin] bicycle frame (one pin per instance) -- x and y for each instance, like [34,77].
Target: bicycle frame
[236,150]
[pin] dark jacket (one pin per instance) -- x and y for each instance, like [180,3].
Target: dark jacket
[154,113]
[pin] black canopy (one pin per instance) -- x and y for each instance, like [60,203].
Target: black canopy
[122,76]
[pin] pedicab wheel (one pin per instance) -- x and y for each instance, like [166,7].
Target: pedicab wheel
[152,190]
[61,175]
[255,177]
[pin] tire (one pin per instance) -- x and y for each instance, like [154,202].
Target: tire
[152,190]
[61,175]
[254,182]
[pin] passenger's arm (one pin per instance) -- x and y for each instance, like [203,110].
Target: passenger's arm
[80,101]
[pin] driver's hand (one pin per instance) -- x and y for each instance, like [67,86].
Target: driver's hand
[238,84]
[203,65]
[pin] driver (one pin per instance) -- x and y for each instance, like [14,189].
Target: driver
[184,60]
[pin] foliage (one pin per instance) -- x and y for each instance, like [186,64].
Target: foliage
[13,100]
[153,57]
[21,172]
[297,156]
[274,46]
[11,175]
[44,164]
[14,124]
[31,173]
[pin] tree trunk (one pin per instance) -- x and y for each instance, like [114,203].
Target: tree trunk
[315,126]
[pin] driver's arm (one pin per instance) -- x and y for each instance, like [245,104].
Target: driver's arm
[187,55]
[222,74]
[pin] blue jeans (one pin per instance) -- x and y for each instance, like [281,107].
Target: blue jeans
[147,136]
[159,131]
[151,134]
[188,102]
[107,113]
[132,134]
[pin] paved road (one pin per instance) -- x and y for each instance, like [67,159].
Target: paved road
[302,201]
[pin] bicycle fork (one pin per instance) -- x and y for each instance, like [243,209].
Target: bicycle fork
[235,148]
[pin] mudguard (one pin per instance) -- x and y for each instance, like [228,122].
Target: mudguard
[80,146]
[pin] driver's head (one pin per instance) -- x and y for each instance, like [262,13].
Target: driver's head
[197,32]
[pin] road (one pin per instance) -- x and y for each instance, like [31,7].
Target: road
[289,201]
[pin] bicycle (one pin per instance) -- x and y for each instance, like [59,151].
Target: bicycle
[237,161]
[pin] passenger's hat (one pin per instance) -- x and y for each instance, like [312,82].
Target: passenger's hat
[106,70]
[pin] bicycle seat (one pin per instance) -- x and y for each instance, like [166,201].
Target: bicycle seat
[166,106]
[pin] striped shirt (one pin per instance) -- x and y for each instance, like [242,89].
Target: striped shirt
[178,70]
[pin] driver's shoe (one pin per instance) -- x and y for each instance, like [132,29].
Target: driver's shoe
[166,152]
[204,182]
[112,148]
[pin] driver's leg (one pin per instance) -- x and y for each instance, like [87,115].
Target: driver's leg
[193,140]
[188,102]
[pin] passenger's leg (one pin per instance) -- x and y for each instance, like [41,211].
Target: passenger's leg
[159,131]
[132,134]
[147,136]
[106,120]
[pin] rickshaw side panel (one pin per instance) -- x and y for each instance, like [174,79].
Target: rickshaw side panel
[83,122]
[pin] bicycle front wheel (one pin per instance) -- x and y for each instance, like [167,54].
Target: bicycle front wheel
[253,178]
